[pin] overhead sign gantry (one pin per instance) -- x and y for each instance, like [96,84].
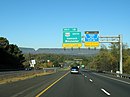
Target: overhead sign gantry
[72,39]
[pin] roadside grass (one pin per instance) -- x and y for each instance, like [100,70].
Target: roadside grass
[22,77]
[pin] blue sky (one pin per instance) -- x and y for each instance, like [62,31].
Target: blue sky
[39,23]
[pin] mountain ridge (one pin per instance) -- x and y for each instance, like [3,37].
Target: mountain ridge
[81,51]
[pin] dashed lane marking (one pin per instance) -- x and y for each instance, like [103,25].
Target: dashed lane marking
[107,93]
[90,80]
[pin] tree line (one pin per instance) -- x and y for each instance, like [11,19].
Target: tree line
[10,55]
[108,59]
[48,60]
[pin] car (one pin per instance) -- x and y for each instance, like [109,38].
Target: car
[74,70]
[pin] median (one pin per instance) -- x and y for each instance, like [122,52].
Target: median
[13,76]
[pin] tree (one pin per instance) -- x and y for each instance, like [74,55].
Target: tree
[105,60]
[126,65]
[4,43]
[11,56]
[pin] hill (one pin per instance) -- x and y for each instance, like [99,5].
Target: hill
[82,51]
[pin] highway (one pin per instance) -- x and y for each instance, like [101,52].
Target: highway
[64,84]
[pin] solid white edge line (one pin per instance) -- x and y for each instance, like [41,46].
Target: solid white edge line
[113,79]
[106,92]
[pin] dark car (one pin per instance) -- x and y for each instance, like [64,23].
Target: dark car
[74,70]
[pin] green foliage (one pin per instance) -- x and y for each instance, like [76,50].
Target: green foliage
[10,55]
[108,59]
[55,60]
[3,42]
[127,65]
[105,61]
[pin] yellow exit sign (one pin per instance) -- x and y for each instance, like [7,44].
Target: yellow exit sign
[91,44]
[71,45]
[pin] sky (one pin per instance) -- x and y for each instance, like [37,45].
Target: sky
[39,23]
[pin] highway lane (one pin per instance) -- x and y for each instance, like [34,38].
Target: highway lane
[73,85]
[87,84]
[28,87]
[115,86]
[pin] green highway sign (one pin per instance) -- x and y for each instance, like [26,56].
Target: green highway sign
[69,29]
[71,37]
[82,66]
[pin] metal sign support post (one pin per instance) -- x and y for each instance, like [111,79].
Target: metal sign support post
[121,70]
[115,39]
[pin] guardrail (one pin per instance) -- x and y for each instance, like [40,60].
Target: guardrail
[111,73]
[51,69]
[118,74]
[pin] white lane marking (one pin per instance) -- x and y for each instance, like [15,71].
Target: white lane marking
[106,92]
[85,76]
[90,80]
[113,79]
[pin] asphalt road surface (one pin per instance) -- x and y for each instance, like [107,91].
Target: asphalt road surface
[64,84]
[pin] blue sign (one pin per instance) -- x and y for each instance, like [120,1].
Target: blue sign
[91,38]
